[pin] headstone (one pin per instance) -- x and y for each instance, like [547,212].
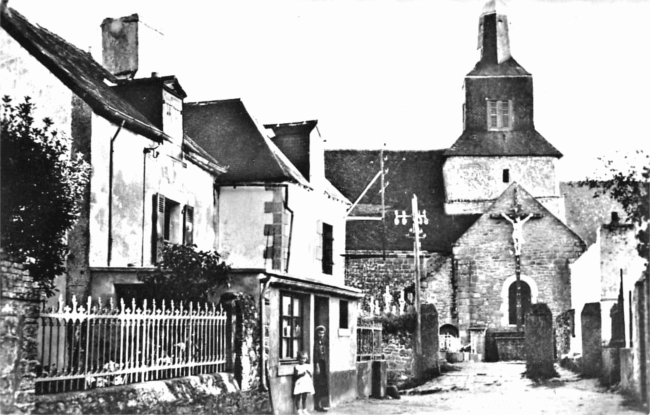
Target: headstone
[540,352]
[592,353]
[430,340]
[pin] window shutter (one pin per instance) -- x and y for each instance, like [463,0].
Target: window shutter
[188,225]
[158,227]
[492,114]
[319,245]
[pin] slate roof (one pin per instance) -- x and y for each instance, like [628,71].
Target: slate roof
[585,213]
[228,132]
[508,68]
[78,71]
[502,143]
[409,172]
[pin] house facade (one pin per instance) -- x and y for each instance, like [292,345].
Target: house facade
[282,229]
[149,184]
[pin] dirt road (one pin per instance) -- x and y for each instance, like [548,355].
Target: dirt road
[498,388]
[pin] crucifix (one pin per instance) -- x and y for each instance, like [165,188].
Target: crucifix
[517,218]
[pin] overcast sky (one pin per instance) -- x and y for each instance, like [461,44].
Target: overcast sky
[391,72]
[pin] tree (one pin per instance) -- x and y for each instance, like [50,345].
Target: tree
[186,274]
[631,188]
[42,186]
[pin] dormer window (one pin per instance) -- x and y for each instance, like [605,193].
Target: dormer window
[506,176]
[499,115]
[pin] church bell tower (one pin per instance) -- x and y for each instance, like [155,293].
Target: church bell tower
[499,144]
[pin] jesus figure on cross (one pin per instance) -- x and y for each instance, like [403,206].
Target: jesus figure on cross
[517,230]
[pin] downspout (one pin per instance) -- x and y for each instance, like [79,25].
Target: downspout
[110,196]
[145,151]
[286,207]
[265,283]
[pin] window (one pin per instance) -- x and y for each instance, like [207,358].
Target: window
[328,241]
[172,224]
[343,314]
[512,301]
[291,325]
[506,176]
[499,115]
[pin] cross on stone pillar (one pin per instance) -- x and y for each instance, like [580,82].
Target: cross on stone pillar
[517,218]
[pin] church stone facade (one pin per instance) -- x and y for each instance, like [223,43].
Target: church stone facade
[500,165]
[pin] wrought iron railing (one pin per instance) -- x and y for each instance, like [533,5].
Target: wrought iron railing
[369,342]
[102,345]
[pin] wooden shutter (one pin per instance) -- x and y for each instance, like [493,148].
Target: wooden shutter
[492,114]
[188,225]
[158,227]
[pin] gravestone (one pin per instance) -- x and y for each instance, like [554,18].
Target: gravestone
[430,339]
[540,351]
[592,352]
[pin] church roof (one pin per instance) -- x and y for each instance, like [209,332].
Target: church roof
[585,213]
[502,143]
[508,68]
[408,173]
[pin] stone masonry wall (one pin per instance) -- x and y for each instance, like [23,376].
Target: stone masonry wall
[373,274]
[19,311]
[485,260]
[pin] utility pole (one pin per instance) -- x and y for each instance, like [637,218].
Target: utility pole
[419,218]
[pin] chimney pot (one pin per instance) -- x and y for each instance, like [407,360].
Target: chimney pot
[154,74]
[615,217]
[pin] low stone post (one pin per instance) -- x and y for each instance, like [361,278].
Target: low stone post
[539,343]
[591,340]
[430,340]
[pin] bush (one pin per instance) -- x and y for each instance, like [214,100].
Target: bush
[42,190]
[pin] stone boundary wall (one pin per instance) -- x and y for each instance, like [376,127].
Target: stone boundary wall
[19,310]
[398,353]
[215,393]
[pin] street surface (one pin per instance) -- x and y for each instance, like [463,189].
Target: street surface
[498,388]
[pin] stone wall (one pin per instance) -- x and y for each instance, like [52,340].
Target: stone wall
[398,352]
[215,393]
[485,264]
[19,311]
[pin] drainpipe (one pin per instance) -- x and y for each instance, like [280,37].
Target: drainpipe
[286,207]
[110,196]
[265,282]
[145,151]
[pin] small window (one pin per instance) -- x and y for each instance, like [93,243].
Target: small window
[328,241]
[506,176]
[343,315]
[291,325]
[172,231]
[499,115]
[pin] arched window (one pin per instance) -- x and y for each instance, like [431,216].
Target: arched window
[512,301]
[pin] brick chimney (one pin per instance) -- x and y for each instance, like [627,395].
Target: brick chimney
[120,54]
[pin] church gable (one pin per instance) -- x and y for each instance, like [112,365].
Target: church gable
[484,261]
[516,200]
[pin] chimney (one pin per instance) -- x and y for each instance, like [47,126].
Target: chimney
[120,46]
[305,152]
[615,218]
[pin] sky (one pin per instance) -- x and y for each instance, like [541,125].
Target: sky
[389,73]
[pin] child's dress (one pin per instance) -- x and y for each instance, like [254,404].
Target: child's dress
[303,384]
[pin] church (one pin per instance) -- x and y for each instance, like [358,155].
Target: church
[497,212]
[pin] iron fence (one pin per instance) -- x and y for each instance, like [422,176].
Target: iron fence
[102,345]
[369,342]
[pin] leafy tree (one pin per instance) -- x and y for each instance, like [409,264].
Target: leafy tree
[42,186]
[631,188]
[186,274]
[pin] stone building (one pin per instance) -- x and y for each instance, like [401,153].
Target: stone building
[499,166]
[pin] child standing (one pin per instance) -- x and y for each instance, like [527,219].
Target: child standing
[303,383]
